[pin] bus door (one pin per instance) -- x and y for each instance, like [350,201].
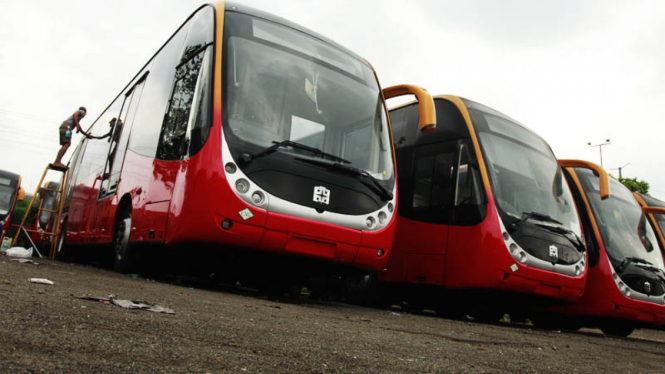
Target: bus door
[110,178]
[119,139]
[426,210]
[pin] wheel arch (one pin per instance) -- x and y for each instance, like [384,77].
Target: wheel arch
[124,204]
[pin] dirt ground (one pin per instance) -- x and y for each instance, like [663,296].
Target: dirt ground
[46,329]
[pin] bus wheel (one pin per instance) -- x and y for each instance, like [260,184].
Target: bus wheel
[484,313]
[617,329]
[546,321]
[556,322]
[450,312]
[61,251]
[122,256]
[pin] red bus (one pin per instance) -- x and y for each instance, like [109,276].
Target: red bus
[244,131]
[486,223]
[626,283]
[10,192]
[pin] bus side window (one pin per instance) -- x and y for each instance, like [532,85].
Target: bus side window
[467,174]
[173,142]
[202,115]
[433,181]
[96,154]
[404,123]
[74,167]
[155,96]
[470,204]
[191,88]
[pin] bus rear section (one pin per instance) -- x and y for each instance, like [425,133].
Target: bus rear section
[45,220]
[626,281]
[486,222]
[245,132]
[10,193]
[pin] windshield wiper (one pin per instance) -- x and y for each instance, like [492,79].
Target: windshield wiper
[366,178]
[577,242]
[246,158]
[637,261]
[532,215]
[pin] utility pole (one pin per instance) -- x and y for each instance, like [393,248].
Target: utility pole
[620,168]
[600,146]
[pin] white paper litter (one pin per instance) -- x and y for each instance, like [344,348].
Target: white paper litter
[24,261]
[41,281]
[129,304]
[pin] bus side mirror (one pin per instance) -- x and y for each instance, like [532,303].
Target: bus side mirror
[425,103]
[21,194]
[602,174]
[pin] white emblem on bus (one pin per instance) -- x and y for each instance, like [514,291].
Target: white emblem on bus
[246,214]
[321,195]
[554,252]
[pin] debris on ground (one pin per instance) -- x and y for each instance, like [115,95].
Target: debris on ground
[19,252]
[128,304]
[41,281]
[25,261]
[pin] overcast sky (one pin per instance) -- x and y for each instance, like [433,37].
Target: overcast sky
[573,71]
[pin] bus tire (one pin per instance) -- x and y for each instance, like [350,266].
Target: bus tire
[62,253]
[618,329]
[122,248]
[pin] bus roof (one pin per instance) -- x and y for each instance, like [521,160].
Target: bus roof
[652,201]
[8,174]
[232,6]
[241,8]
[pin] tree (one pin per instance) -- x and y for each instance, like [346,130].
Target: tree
[635,185]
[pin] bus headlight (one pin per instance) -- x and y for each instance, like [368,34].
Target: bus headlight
[522,257]
[513,248]
[383,217]
[230,168]
[242,185]
[257,197]
[391,207]
[370,222]
[578,271]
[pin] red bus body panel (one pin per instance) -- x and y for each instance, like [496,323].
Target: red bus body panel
[470,257]
[603,299]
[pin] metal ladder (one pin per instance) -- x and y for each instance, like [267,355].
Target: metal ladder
[58,211]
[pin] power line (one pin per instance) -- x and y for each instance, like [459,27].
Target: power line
[26,115]
[31,134]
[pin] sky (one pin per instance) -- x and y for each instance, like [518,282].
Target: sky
[575,72]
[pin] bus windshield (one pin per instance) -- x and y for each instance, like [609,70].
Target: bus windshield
[524,173]
[660,219]
[623,227]
[6,197]
[284,85]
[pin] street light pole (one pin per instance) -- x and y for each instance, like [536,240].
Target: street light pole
[600,147]
[620,168]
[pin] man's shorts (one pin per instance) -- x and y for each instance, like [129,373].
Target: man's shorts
[63,132]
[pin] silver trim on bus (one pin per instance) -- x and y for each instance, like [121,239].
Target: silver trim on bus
[524,258]
[275,204]
[631,293]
